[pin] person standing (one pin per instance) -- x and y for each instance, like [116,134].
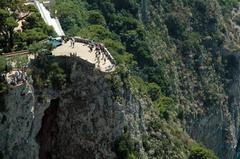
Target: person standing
[73,42]
[91,46]
[103,55]
[97,49]
[102,48]
[98,61]
[105,59]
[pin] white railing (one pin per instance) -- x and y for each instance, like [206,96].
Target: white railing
[46,15]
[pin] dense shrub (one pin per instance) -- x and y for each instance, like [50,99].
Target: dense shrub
[72,15]
[57,76]
[176,26]
[154,91]
[3,85]
[95,17]
[125,147]
[199,152]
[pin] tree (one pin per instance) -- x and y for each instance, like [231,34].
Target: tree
[40,48]
[12,4]
[7,24]
[96,32]
[71,14]
[33,35]
[8,13]
[57,76]
[128,5]
[96,18]
[176,26]
[3,84]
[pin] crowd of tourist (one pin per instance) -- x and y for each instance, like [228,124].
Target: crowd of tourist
[100,52]
[16,77]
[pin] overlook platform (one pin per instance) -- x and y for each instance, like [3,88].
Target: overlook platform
[81,50]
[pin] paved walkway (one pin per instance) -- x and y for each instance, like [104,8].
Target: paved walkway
[46,15]
[82,50]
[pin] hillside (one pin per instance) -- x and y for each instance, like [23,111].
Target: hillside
[174,94]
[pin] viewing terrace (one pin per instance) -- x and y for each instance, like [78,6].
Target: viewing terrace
[82,49]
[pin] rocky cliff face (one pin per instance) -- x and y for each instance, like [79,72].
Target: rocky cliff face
[83,120]
[17,124]
[20,123]
[218,128]
[206,80]
[87,118]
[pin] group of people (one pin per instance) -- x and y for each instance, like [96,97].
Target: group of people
[100,52]
[16,77]
[99,49]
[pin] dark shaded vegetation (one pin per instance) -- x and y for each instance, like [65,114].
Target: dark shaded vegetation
[47,73]
[199,152]
[125,147]
[4,87]
[1,155]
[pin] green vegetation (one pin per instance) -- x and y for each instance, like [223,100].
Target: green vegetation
[167,51]
[47,73]
[3,85]
[95,17]
[34,28]
[72,15]
[125,147]
[237,20]
[7,24]
[172,56]
[3,63]
[17,61]
[40,48]
[227,5]
[199,152]
[56,76]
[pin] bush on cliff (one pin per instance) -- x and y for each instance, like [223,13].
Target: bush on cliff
[57,76]
[125,147]
[200,152]
[3,63]
[3,84]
